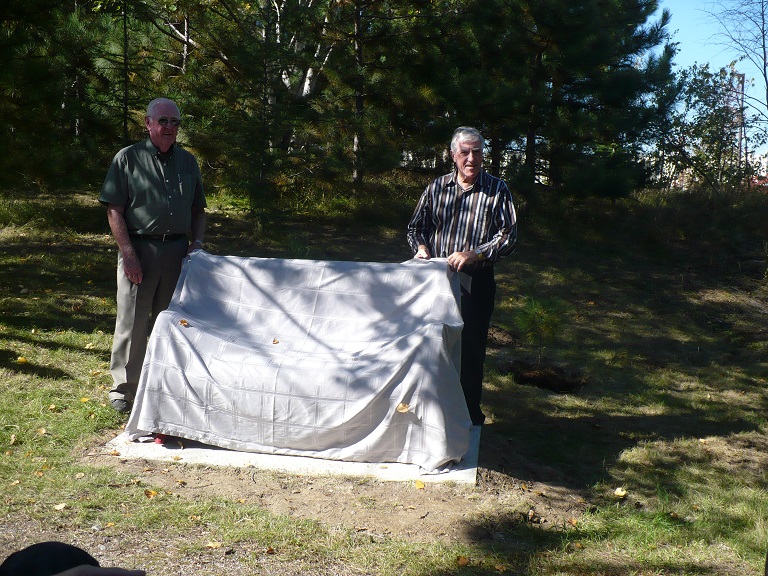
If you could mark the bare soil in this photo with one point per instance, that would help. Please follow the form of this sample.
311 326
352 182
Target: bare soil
435 511
380 510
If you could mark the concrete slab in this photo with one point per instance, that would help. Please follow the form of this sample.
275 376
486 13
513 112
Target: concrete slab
190 452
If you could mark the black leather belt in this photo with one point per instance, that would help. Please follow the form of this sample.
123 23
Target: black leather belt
159 237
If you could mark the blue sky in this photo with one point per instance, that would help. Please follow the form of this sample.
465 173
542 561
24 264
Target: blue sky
700 39
698 33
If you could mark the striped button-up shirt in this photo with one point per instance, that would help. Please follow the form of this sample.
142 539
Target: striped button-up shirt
447 219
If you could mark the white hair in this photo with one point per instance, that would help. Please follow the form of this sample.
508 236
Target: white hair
463 133
156 102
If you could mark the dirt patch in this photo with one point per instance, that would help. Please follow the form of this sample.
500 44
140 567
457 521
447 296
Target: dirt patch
500 338
546 376
433 512
489 512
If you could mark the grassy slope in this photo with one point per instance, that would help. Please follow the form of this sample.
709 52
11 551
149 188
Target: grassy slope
665 313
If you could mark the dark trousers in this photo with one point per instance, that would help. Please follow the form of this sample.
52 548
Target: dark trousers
477 301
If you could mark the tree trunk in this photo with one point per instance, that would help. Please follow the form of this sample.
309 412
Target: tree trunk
357 169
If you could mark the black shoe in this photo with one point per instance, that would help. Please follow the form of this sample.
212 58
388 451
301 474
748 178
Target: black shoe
120 405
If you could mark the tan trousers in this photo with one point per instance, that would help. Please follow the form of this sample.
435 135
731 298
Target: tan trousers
138 306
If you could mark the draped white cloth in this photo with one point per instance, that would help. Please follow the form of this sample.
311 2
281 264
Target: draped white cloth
337 360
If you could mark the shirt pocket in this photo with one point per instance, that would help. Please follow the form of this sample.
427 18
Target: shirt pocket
185 192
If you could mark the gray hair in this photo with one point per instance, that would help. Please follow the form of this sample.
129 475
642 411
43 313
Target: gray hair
152 105
463 133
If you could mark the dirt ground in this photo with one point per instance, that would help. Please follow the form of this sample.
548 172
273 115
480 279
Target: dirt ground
371 508
435 511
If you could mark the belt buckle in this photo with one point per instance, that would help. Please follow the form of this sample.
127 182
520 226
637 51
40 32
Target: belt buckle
168 236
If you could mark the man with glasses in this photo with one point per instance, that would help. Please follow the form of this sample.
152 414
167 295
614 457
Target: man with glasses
154 197
468 217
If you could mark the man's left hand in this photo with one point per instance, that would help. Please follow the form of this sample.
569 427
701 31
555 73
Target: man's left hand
459 260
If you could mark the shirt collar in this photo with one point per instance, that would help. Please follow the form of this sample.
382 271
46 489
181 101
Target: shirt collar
478 181
155 151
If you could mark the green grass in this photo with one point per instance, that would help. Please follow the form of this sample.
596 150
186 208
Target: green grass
664 311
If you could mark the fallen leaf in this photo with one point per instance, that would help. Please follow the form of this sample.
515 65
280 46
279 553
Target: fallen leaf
213 545
79 475
15 482
21 360
573 521
61 506
13 439
403 407
620 492
42 431
85 399
52 407
275 341
184 323
114 453
177 458
150 493
500 568
90 346
270 550
462 560
419 485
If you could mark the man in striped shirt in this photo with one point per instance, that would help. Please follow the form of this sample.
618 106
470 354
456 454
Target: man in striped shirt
468 217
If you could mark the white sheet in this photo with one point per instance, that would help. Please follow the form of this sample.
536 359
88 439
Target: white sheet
310 358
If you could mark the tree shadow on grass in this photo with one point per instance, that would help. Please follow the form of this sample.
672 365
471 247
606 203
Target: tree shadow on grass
11 361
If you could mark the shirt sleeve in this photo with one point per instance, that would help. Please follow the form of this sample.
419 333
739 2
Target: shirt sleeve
505 223
115 187
419 226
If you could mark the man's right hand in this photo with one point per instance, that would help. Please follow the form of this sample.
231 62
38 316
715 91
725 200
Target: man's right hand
423 253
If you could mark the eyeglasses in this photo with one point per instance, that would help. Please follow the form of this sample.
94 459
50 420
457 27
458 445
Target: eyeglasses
164 120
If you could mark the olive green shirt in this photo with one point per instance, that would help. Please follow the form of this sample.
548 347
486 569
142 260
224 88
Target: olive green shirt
157 196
